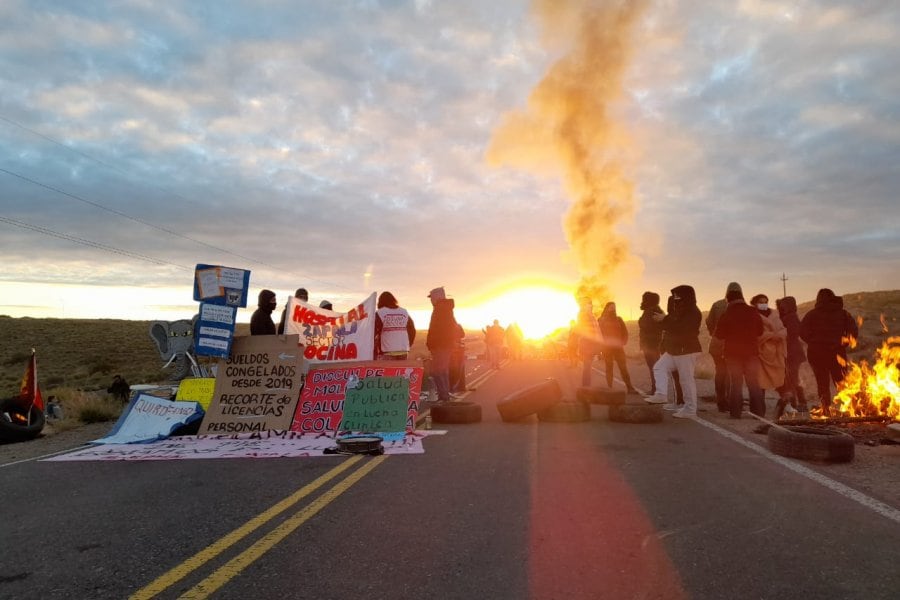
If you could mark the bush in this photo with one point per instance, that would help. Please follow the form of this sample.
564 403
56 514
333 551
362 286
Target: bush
87 407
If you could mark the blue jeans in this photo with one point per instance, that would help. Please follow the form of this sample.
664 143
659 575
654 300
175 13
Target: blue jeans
440 371
745 369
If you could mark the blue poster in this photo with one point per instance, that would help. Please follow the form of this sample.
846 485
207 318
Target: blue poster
220 291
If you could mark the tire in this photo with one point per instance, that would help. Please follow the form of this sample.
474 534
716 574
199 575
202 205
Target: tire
456 413
598 396
566 412
636 413
812 443
15 432
530 400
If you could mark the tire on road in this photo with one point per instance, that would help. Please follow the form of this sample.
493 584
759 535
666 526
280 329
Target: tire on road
593 395
566 412
530 400
636 413
18 429
812 443
456 413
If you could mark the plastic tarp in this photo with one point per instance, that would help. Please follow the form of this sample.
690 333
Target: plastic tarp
148 418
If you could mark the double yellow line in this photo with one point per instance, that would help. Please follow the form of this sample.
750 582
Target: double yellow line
233 567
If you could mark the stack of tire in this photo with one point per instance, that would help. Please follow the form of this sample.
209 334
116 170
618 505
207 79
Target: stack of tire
620 409
544 400
456 413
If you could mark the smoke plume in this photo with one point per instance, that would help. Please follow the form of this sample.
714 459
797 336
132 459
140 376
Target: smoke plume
568 124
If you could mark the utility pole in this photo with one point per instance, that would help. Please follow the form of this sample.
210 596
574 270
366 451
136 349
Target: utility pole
784 284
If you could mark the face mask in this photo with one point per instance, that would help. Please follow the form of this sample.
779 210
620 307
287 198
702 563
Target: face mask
762 306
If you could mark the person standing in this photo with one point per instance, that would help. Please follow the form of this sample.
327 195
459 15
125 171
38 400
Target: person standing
261 322
665 364
828 330
650 332
514 341
682 330
588 339
441 339
739 328
300 294
394 329
772 346
614 336
792 393
493 338
717 348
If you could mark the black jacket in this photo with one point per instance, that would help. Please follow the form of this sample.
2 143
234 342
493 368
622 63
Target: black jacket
261 322
682 324
740 326
443 331
650 331
828 326
787 310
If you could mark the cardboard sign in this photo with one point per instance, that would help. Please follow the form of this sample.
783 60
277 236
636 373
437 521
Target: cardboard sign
322 401
198 389
257 386
149 418
376 404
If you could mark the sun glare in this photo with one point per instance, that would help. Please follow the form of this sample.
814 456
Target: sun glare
538 310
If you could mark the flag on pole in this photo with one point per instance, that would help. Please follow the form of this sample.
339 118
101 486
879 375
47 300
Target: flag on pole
30 392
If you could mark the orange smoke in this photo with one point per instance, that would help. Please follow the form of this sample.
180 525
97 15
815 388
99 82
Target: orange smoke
568 124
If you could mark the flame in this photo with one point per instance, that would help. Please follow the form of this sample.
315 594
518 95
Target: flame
870 391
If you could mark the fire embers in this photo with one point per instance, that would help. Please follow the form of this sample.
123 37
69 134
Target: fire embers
870 390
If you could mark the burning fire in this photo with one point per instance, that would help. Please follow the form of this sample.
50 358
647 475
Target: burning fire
871 391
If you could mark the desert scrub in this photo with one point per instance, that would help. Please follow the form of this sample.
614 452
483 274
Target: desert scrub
87 407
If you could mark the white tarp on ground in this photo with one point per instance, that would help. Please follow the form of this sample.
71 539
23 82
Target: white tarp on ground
268 444
148 418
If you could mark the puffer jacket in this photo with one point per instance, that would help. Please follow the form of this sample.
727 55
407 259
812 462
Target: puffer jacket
682 324
828 326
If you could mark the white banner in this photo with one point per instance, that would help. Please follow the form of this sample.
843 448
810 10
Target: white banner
268 444
149 418
333 337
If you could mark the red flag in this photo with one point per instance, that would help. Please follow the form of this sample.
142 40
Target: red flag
30 392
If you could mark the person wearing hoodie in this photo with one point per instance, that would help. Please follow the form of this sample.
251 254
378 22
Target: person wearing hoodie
681 329
828 330
614 336
588 339
739 329
772 347
443 332
650 332
791 392
300 294
717 348
261 322
664 366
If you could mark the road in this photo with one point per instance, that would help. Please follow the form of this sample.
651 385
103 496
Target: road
530 510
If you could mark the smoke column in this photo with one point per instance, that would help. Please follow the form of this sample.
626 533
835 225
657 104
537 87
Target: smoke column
568 124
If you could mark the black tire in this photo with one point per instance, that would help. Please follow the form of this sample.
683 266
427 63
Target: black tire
530 400
598 396
456 413
16 430
566 412
812 443
636 413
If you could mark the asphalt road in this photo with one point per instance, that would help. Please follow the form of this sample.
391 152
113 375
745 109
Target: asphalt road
491 510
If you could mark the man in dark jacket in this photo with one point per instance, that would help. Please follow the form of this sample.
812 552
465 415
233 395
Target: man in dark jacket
791 392
717 348
443 332
740 327
828 330
261 322
681 328
650 332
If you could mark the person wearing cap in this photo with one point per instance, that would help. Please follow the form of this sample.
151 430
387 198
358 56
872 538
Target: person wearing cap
261 322
739 329
326 305
441 340
300 294
717 348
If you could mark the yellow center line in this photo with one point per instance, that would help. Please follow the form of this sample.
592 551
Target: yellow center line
233 567
184 569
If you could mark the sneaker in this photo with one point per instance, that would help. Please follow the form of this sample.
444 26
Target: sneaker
683 414
670 407
656 399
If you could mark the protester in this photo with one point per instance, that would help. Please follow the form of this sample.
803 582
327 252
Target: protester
772 347
394 329
493 338
300 294
650 332
664 367
614 336
326 304
261 322
828 330
119 389
717 349
441 339
792 392
458 364
588 339
514 341
739 328
682 329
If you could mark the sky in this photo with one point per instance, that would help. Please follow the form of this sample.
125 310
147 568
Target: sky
533 149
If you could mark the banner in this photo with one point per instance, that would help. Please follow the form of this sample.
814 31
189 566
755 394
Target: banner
29 391
372 390
148 418
333 337
257 386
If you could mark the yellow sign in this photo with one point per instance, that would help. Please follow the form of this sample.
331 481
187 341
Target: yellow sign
197 390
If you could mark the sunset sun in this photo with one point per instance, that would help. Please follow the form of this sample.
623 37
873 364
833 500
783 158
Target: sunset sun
538 309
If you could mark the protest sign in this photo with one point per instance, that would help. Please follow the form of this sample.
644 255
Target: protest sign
333 337
257 386
197 389
148 418
322 403
220 290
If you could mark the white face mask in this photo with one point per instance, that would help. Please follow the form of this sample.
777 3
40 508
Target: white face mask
762 306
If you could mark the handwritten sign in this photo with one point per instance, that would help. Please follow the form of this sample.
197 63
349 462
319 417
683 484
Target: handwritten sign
376 404
257 386
198 389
